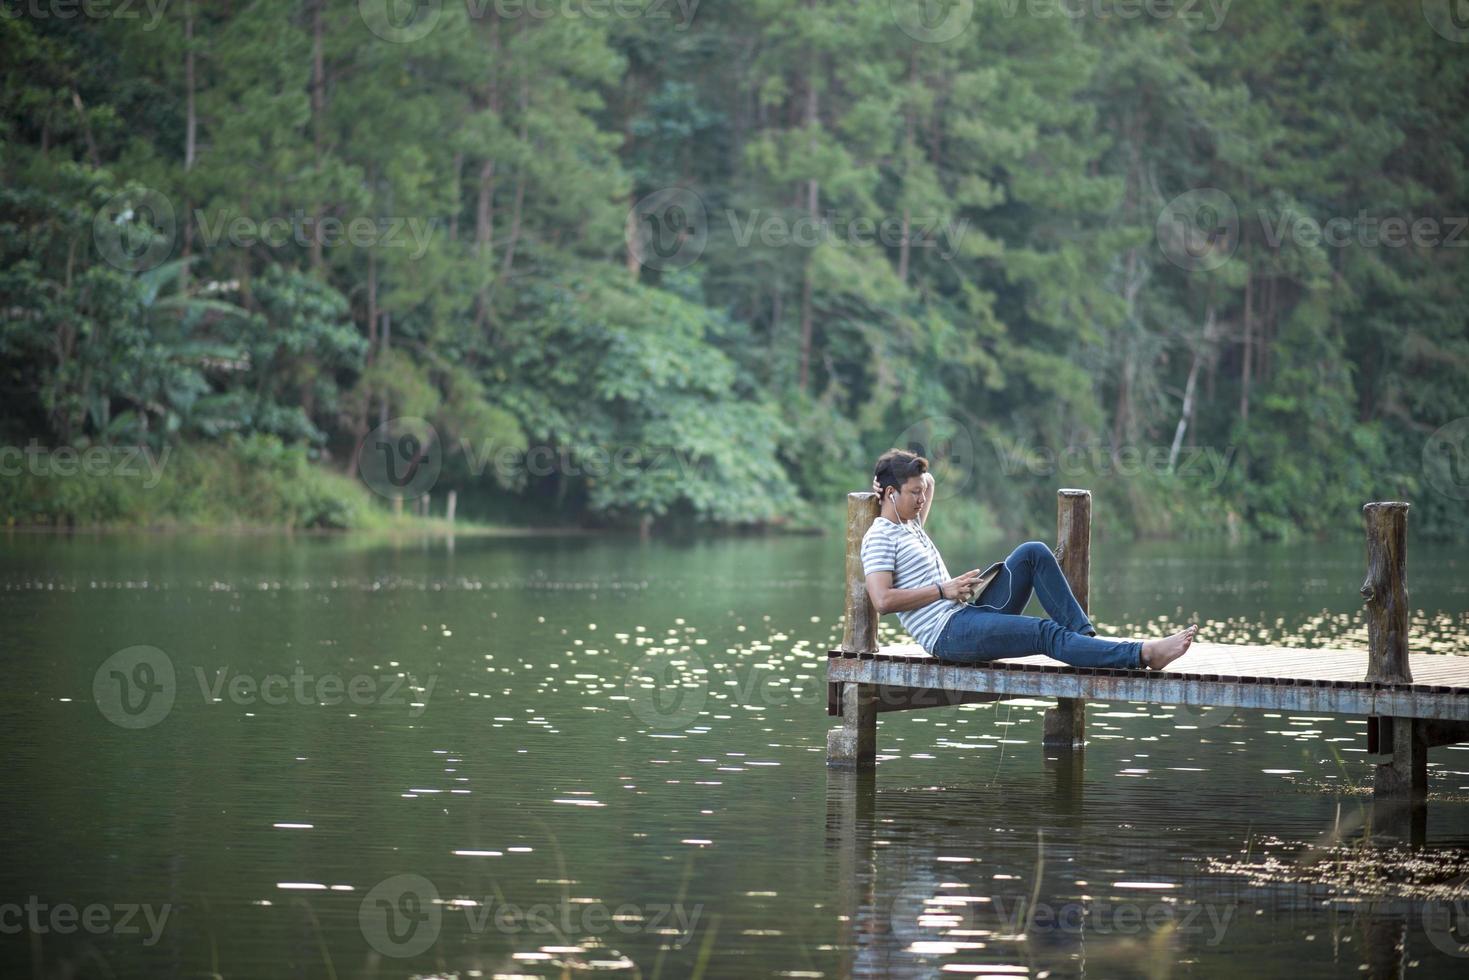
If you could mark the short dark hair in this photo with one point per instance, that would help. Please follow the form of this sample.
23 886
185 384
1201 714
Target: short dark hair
896 467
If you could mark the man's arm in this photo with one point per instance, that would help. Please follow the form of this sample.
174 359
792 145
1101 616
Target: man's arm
890 600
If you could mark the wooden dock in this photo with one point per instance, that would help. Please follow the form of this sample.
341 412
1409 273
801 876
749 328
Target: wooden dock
1413 702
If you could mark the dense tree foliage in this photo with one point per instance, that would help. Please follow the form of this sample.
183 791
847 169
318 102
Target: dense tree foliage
643 259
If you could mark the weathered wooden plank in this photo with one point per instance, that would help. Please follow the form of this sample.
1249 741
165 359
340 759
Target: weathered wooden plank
1260 661
1165 687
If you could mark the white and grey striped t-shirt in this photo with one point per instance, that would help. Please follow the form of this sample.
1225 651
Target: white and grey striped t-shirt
906 551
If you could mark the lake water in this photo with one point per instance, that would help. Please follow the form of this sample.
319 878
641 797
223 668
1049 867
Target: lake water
538 757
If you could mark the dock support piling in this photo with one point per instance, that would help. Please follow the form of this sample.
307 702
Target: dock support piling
1400 785
1385 591
1065 724
854 745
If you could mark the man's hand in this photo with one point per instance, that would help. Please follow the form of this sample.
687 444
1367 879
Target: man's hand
961 588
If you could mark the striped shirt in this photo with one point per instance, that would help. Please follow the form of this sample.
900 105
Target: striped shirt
906 551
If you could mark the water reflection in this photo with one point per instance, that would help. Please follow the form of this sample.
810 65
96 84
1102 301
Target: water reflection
610 733
932 880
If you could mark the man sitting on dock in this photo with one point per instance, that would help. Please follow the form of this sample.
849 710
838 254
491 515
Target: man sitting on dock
977 616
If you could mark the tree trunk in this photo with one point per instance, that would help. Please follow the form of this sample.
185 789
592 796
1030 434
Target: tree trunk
813 193
191 129
634 258
1186 413
484 229
1246 360
458 170
318 108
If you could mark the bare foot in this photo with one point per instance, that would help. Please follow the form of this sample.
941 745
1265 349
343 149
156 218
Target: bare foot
1158 654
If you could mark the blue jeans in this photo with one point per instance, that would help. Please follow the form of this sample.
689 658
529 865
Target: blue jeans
991 628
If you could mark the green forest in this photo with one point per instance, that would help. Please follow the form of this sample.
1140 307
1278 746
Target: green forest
697 263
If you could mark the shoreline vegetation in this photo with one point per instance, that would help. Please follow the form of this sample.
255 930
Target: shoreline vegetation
1197 268
261 486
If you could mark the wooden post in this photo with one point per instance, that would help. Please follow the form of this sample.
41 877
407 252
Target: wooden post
1065 724
451 504
854 745
1386 593
860 634
1403 779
